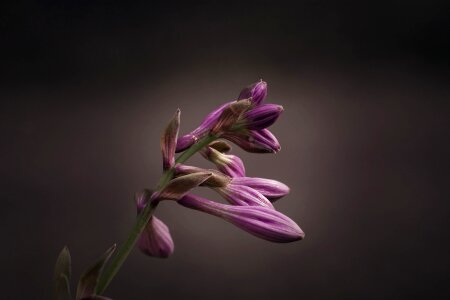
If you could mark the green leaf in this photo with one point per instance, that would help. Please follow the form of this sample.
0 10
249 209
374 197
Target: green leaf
89 280
61 277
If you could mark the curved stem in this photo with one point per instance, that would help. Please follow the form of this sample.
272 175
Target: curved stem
143 218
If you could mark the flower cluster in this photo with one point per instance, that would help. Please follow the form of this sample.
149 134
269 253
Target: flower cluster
243 122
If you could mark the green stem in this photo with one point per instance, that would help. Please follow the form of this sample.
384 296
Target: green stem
143 218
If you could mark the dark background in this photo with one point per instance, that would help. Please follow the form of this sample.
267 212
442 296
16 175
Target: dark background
87 87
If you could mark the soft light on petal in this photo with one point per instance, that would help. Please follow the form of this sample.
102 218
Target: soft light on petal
260 221
270 188
156 240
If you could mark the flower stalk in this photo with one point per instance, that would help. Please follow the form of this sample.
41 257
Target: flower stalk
144 217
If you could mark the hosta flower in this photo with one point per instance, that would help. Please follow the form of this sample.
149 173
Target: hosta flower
260 221
254 141
243 195
191 138
261 116
257 92
155 240
228 164
271 189
239 190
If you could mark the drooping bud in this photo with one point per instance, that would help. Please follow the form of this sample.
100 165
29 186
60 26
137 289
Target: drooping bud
178 187
261 116
256 91
191 138
156 240
217 178
243 196
228 164
255 141
260 221
169 141
236 194
270 188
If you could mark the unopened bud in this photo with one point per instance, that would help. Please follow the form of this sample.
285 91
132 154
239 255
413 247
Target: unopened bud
263 222
254 141
257 92
156 240
228 164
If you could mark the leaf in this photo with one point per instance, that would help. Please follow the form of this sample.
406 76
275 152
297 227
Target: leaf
61 277
89 280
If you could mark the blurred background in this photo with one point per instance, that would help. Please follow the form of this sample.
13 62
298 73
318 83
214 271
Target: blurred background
87 87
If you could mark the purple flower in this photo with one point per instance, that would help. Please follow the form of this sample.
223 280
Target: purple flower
228 164
270 188
155 240
191 138
243 195
256 91
260 221
261 116
255 141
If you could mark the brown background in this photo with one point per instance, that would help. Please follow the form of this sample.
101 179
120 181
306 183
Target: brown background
87 87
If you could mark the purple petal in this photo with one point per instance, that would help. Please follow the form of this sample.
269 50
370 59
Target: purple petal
228 164
270 188
155 240
260 221
256 91
262 116
188 140
255 141
243 196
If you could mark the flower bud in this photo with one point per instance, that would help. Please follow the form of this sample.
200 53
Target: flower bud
270 188
228 164
188 140
262 116
257 92
243 196
255 141
260 221
169 141
155 240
